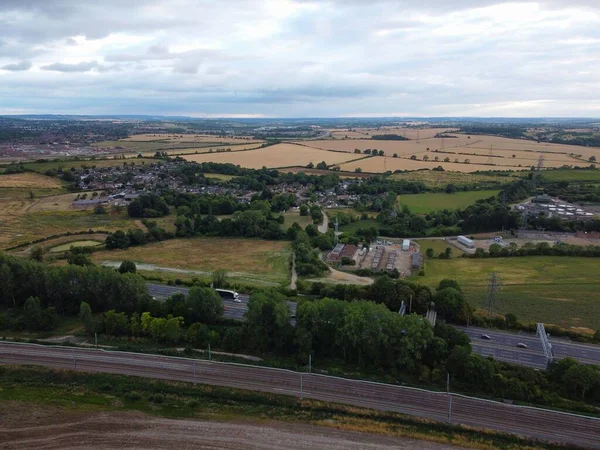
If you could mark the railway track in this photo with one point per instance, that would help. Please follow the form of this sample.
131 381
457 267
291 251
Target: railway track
525 421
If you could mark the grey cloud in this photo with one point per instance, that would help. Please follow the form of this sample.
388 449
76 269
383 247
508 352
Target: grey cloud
16 67
85 66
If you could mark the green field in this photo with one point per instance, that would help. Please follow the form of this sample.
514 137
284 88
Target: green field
429 202
293 216
246 260
437 180
571 175
352 227
438 246
549 289
67 246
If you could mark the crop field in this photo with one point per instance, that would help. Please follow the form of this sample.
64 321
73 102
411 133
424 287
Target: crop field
409 133
380 164
435 179
249 259
214 149
82 164
280 155
219 176
429 202
29 180
553 290
22 226
97 238
571 175
187 138
67 246
489 151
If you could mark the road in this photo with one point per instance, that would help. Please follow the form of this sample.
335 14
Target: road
233 310
503 346
324 226
530 422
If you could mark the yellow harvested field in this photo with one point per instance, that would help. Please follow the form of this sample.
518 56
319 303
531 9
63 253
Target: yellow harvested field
280 155
29 180
409 133
187 138
221 148
376 164
476 149
402 148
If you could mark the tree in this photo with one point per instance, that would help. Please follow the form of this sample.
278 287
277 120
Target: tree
511 321
219 278
198 334
582 377
117 240
6 286
303 210
115 323
268 321
450 304
33 313
99 210
37 254
358 170
429 253
495 249
79 259
204 304
173 329
592 159
127 267
448 283
395 155
85 314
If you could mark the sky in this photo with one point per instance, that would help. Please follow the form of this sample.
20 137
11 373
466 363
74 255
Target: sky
301 58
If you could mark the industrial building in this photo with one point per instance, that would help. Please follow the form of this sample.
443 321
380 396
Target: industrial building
469 243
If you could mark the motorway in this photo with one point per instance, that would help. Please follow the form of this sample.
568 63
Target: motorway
502 345
232 310
525 421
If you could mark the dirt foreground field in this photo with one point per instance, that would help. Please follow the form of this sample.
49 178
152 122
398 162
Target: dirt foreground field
26 426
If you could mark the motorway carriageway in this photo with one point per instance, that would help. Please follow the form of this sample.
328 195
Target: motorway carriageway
232 310
525 421
502 345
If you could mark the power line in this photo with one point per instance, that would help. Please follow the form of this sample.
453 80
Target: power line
492 294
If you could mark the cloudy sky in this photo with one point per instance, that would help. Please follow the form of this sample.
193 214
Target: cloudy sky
301 58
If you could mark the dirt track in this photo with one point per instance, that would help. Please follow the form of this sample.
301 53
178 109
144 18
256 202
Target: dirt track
23 426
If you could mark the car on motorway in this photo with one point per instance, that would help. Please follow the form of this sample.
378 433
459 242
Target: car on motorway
486 337
229 295
521 345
